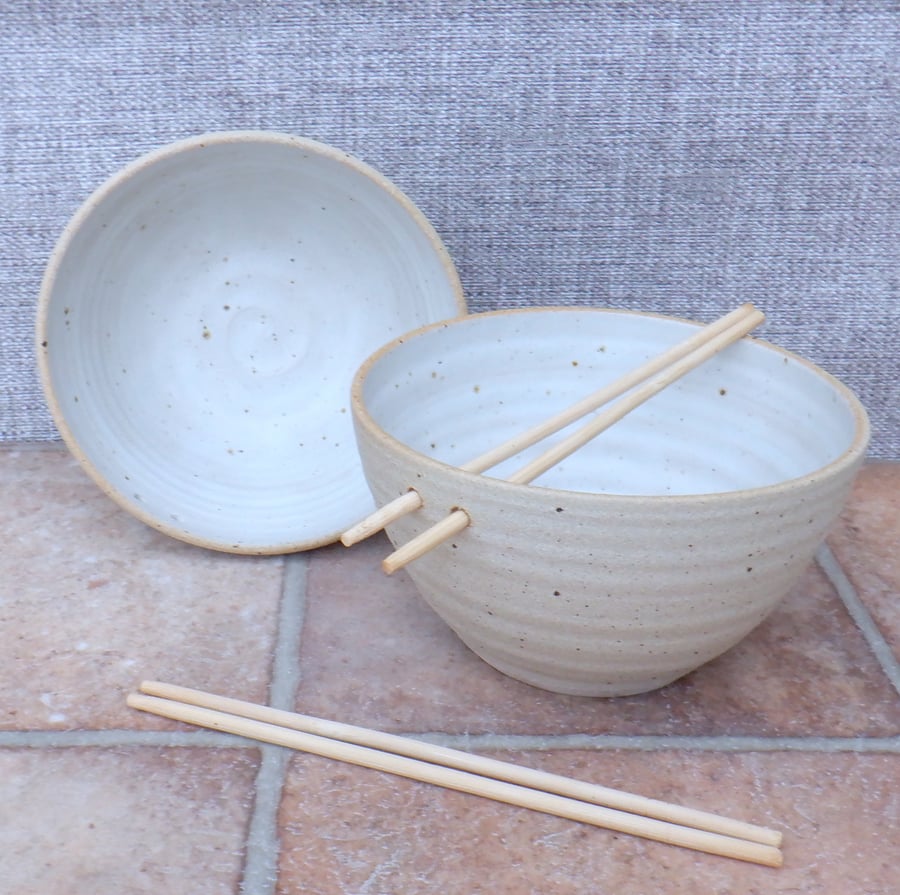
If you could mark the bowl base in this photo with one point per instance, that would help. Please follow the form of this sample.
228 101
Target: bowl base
597 688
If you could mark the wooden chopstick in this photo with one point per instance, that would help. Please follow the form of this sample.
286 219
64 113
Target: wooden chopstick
466 761
413 759
459 519
411 500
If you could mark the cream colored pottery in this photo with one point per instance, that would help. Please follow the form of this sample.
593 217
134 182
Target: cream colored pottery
652 550
201 320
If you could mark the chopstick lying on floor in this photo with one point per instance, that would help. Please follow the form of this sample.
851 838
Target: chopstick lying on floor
713 339
465 772
411 500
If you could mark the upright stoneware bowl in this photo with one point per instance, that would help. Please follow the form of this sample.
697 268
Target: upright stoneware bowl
652 550
201 320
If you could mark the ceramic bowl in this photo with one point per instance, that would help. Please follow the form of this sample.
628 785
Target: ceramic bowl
652 550
200 322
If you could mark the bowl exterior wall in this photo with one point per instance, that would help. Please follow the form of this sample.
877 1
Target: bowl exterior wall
602 595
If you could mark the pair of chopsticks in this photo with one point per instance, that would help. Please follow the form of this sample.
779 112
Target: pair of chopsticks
462 771
641 384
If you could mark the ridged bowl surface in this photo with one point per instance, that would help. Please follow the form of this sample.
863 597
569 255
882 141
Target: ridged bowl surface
652 550
200 323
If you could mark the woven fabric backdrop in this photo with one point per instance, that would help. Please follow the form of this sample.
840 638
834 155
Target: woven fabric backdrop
676 157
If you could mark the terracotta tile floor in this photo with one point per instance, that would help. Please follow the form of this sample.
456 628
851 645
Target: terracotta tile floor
798 727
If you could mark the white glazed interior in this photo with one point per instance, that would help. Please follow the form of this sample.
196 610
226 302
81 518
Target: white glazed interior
646 554
752 417
200 323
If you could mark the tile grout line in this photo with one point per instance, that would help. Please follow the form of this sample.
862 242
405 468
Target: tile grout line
861 616
512 742
114 737
262 848
659 743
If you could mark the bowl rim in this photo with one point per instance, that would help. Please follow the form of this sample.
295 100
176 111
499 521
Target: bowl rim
94 202
848 459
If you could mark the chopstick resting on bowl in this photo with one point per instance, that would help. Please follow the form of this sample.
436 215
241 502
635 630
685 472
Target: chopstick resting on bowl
411 500
465 772
663 371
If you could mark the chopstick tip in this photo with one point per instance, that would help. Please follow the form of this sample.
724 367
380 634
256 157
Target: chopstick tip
133 700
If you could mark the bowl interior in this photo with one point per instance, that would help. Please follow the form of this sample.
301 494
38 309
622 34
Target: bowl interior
751 417
201 321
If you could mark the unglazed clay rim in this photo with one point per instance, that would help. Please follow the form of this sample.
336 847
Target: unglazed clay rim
848 458
93 203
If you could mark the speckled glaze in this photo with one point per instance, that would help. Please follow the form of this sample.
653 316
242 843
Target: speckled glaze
200 322
652 550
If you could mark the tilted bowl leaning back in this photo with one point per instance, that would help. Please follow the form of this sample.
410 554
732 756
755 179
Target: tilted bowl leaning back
200 321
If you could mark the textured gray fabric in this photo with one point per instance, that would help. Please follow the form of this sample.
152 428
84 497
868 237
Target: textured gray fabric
678 157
